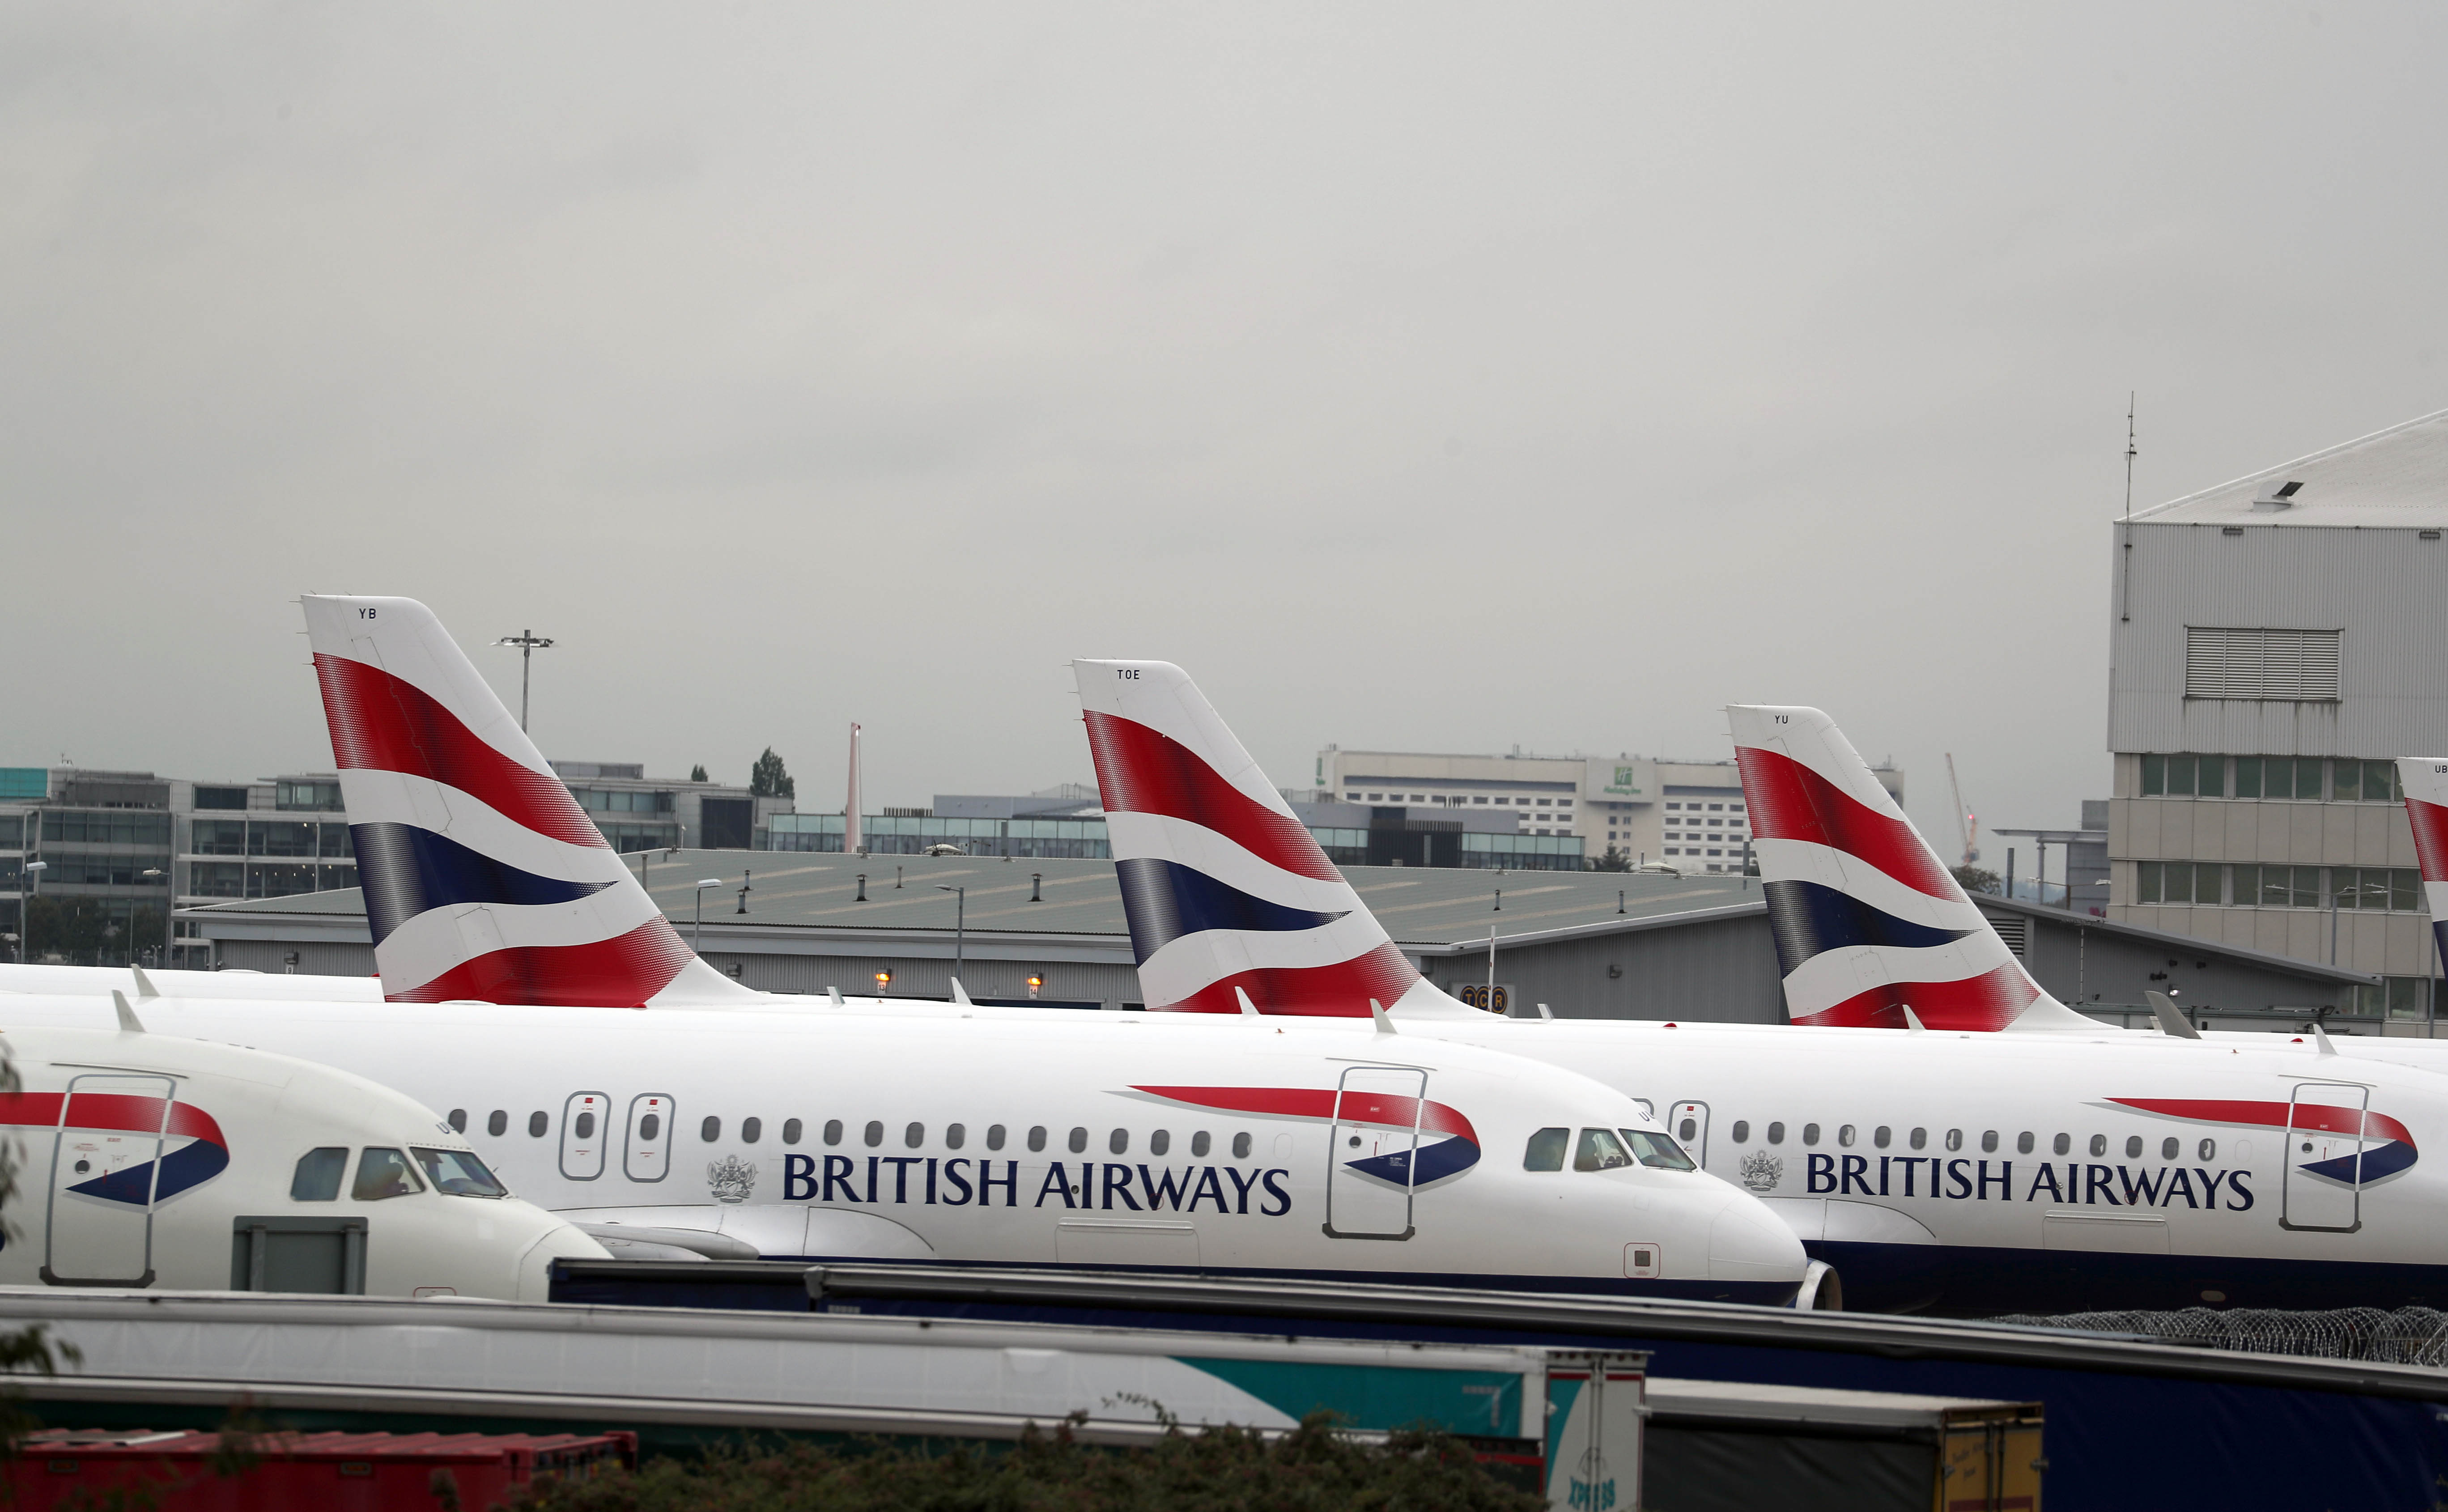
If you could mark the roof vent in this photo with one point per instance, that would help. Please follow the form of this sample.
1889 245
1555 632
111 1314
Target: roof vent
2273 500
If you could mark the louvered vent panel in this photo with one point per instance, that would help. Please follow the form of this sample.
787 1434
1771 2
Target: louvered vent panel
2286 666
2014 930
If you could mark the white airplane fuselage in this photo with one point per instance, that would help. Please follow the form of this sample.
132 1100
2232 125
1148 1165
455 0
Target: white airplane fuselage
1174 1142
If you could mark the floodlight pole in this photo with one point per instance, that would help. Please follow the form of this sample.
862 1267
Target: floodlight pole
960 921
528 644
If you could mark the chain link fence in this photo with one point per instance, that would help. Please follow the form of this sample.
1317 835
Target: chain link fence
2406 1336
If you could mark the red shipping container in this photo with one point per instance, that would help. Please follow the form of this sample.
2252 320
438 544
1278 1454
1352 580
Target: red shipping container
345 1472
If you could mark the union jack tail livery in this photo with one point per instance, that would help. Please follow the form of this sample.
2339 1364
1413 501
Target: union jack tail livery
2424 782
1222 886
1867 920
484 881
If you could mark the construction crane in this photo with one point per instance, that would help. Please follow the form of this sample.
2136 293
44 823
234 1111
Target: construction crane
1967 824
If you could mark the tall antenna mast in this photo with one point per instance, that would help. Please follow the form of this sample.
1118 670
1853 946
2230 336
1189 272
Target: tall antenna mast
2125 553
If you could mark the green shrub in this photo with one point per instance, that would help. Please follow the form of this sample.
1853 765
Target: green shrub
1309 1469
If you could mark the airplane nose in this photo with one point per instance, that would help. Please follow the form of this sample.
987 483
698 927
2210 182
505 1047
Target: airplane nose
1746 1243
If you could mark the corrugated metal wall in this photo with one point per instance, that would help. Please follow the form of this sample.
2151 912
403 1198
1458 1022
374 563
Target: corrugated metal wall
1721 971
2382 587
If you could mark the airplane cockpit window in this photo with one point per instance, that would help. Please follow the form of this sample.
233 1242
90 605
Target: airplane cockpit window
1658 1152
458 1174
384 1172
317 1179
1599 1150
1545 1151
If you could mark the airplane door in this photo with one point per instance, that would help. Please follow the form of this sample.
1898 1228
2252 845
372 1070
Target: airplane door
1688 1123
104 1161
646 1156
584 1130
2323 1177
1376 1131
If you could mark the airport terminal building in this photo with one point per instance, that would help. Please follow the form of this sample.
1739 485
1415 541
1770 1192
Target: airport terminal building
2278 642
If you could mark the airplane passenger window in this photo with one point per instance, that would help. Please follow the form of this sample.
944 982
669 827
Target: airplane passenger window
537 1123
1988 1141
498 1124
1599 1150
1159 1141
458 1174
650 1127
2099 1145
955 1135
1881 1134
1118 1141
994 1136
750 1130
1658 1152
585 1125
1810 1134
1919 1139
1955 1138
873 1133
1844 1136
2133 1147
710 1130
1199 1144
1742 1131
383 1172
1776 1134
1079 1141
832 1131
458 1120
790 1128
2168 1148
1545 1151
1240 1146
2209 1149
2061 1143
317 1179
914 1135
1037 1137
2023 1142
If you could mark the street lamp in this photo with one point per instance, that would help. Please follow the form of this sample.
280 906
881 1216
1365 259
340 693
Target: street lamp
167 925
702 885
33 871
959 922
528 644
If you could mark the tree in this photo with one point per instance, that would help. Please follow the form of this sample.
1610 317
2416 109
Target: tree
1976 879
696 772
768 779
1614 860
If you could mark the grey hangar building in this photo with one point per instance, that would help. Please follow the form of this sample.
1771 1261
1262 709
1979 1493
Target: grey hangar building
1588 943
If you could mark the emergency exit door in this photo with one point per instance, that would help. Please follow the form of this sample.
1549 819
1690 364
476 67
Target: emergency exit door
1688 1123
2323 1177
1372 1148
106 1163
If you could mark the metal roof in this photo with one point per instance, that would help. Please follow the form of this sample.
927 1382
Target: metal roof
2397 477
1419 905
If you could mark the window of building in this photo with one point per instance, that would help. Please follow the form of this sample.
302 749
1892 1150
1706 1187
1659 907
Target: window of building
1545 802
221 797
1479 798
325 795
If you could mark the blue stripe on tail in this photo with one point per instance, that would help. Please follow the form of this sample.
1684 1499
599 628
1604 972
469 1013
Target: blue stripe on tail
405 870
1164 900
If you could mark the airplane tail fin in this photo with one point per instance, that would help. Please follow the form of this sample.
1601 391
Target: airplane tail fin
484 879
1867 920
2424 781
1225 890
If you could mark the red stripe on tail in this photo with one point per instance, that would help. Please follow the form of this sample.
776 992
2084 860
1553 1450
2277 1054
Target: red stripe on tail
1788 801
1979 1005
384 724
2430 838
617 974
1338 991
1142 771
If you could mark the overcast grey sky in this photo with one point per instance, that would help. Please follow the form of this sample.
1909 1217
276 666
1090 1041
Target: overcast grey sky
1419 376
